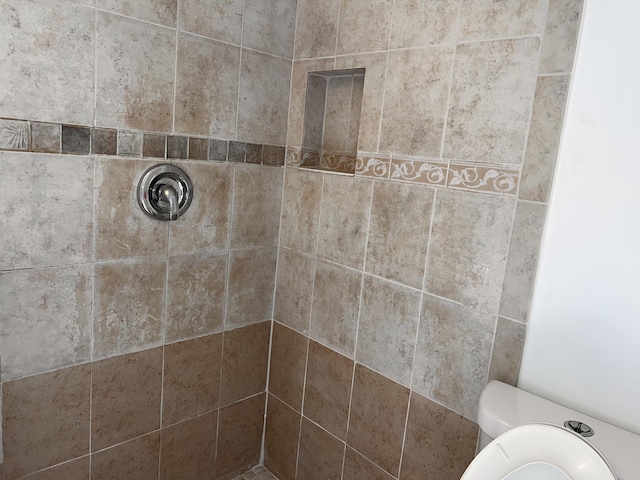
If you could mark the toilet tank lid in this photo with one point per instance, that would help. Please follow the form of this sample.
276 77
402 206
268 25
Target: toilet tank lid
503 407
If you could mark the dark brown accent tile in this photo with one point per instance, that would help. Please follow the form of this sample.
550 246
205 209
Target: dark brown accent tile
244 363
328 389
189 449
198 148
129 144
506 355
134 460
439 443
378 413
273 155
321 454
126 397
218 150
254 153
191 378
281 439
45 419
240 435
75 139
288 360
104 141
74 470
154 145
45 137
357 467
237 151
177 146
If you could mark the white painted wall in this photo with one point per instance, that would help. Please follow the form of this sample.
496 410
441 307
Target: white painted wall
583 342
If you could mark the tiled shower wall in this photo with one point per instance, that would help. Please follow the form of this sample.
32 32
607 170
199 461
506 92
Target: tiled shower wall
124 340
401 291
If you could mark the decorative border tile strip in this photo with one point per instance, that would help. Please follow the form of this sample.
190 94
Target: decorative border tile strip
484 178
338 162
373 165
428 172
43 137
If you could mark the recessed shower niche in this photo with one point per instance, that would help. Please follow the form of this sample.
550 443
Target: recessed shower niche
332 120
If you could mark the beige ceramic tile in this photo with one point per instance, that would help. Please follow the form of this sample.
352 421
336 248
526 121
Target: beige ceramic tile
468 250
219 19
483 178
281 438
522 261
486 19
264 98
357 94
415 101
287 367
47 61
490 102
162 12
452 354
508 346
364 26
317 28
205 226
206 87
420 24
135 74
357 467
138 458
314 110
387 328
74 470
128 306
294 288
270 26
321 454
399 232
337 113
560 36
45 318
41 193
257 198
544 137
38 409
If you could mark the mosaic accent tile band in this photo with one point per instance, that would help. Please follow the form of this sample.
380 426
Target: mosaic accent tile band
39 137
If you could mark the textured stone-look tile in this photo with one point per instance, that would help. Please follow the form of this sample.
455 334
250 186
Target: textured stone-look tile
378 413
387 329
41 193
218 150
188 449
251 282
198 148
508 346
219 19
46 319
76 140
254 153
337 109
135 74
357 94
412 124
104 141
560 36
301 210
244 364
483 178
486 19
469 245
129 144
420 24
522 261
272 155
364 26
162 12
270 26
257 198
206 87
294 288
321 454
357 467
344 216
240 435
195 295
317 28
281 438
439 443
490 102
336 302
74 470
237 152
14 135
191 378
328 389
126 394
45 137
544 138
122 228
287 368
154 145
399 232
129 306
264 98
203 228
452 354
137 459
41 408
177 146
47 62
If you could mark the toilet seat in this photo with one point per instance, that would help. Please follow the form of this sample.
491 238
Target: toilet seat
539 443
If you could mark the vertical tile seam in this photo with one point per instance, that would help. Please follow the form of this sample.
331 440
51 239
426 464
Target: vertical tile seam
228 277
382 101
175 69
266 399
95 72
235 134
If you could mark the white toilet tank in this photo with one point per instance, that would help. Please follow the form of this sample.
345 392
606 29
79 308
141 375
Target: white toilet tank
503 407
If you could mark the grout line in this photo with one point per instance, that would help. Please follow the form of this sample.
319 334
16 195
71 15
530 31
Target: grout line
175 70
240 72
228 277
266 399
161 412
95 72
382 100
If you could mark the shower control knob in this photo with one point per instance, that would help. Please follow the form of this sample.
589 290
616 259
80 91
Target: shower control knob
165 192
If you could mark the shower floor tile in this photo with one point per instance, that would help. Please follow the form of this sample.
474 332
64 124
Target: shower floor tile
256 473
